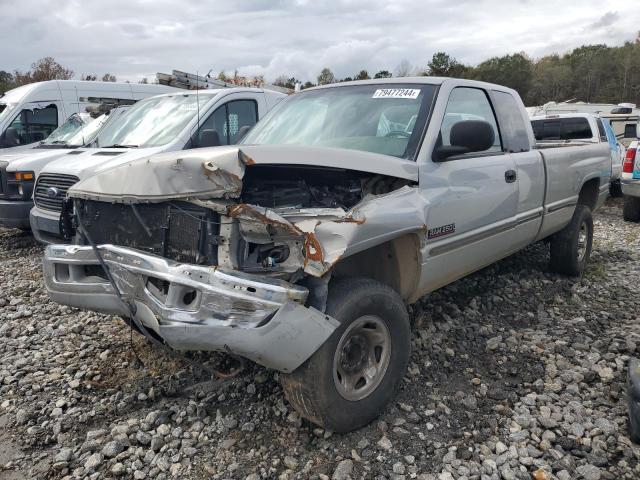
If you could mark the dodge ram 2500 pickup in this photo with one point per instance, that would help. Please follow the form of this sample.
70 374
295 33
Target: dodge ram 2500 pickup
300 248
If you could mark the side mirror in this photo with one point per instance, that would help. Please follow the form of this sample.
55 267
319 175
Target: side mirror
11 138
242 132
466 136
630 130
208 138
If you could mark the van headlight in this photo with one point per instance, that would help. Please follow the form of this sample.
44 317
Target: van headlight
20 185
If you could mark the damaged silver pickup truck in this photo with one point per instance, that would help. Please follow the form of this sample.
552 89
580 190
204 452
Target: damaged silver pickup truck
300 248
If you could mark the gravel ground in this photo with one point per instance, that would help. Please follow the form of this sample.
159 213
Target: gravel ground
515 373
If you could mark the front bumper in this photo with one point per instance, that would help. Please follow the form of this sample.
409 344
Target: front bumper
193 307
45 225
630 187
15 213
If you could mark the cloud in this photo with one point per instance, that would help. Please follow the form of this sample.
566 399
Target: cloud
135 38
606 20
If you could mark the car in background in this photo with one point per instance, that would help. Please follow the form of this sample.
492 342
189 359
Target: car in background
631 183
176 121
19 170
580 128
30 113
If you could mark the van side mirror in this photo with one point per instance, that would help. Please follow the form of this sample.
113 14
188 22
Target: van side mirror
630 130
11 138
466 136
208 138
242 132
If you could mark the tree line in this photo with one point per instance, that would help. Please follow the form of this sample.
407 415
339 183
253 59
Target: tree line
591 73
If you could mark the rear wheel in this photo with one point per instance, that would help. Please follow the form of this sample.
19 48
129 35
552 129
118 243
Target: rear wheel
356 372
631 209
571 247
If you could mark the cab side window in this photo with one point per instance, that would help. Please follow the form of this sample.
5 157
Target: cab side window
31 126
224 124
468 104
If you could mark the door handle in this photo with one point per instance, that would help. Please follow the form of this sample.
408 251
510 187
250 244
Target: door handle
510 176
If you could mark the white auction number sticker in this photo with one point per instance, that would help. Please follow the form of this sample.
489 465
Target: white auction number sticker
397 93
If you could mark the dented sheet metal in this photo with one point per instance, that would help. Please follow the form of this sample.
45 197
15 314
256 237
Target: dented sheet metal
262 319
172 175
217 172
213 178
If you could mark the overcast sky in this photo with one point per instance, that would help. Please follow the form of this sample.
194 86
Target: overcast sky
136 38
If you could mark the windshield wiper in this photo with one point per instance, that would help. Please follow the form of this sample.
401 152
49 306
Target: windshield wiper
57 142
117 145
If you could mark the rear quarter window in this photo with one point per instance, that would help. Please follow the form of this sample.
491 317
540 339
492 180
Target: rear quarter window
512 123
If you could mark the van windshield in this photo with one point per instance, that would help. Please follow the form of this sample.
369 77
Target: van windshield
153 122
62 135
5 111
380 118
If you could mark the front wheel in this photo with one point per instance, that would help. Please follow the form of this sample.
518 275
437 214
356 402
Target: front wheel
571 247
356 372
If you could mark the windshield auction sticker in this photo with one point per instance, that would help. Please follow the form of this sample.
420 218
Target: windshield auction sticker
396 93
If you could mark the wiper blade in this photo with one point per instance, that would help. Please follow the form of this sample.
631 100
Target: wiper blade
117 145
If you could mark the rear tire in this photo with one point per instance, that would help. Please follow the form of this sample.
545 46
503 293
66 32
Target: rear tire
631 209
571 247
357 371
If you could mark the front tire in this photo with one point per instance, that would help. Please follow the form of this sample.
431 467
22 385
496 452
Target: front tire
571 247
357 371
631 209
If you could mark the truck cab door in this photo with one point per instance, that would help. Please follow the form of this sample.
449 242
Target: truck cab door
473 197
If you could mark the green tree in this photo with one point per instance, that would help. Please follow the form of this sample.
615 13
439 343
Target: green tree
444 65
362 75
326 76
512 71
107 77
383 74
7 82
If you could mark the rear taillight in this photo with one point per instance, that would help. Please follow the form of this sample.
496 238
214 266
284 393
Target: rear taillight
629 160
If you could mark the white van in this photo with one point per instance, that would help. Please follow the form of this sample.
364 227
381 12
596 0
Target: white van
19 170
170 122
29 114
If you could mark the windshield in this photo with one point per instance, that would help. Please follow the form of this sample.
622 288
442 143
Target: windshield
5 110
383 118
74 124
153 122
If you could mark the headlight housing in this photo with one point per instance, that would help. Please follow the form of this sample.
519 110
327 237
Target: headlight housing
20 185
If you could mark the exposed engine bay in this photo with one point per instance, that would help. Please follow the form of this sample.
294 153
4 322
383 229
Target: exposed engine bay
245 234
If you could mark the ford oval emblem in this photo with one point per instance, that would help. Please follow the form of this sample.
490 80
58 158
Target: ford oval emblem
53 192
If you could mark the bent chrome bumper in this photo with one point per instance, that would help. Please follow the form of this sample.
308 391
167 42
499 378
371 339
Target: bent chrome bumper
193 307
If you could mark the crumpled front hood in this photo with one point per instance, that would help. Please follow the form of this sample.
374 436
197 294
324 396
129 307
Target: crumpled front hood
217 172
